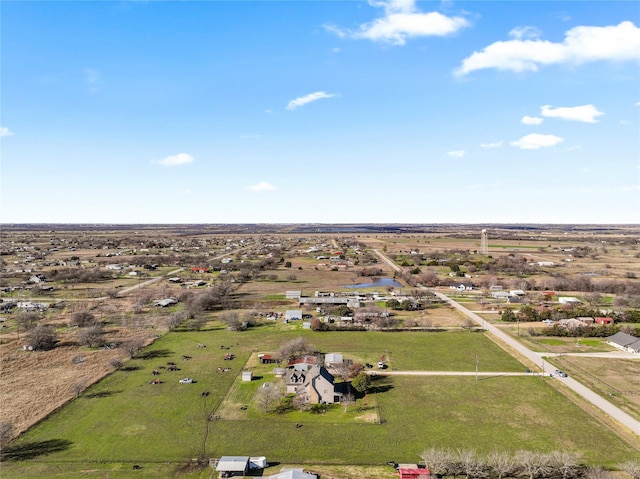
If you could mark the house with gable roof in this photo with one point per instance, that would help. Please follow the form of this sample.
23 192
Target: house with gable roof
314 384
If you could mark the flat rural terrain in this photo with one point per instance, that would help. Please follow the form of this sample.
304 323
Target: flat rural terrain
99 324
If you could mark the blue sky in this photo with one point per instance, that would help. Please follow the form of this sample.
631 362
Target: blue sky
320 111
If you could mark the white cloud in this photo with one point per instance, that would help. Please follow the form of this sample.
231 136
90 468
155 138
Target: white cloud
535 141
531 120
456 154
402 20
495 144
584 113
303 100
4 131
93 79
176 160
262 186
582 44
573 148
525 32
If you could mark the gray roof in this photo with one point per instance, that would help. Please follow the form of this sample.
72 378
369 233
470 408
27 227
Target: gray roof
625 340
233 463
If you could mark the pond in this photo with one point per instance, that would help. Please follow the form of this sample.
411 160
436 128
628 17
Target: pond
377 282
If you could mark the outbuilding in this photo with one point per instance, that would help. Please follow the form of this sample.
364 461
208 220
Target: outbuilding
230 466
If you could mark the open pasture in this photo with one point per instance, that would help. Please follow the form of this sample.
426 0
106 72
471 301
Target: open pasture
123 418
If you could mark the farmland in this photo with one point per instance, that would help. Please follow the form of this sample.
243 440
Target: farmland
119 418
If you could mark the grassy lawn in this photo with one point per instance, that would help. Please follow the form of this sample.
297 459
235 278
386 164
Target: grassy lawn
123 420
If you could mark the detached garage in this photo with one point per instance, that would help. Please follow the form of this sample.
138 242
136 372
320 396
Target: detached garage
230 466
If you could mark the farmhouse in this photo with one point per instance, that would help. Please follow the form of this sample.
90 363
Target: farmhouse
315 385
199 269
625 341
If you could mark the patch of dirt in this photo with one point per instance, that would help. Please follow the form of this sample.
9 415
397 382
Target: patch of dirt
368 417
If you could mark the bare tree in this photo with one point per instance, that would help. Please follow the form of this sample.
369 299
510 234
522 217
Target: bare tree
438 460
27 319
595 472
174 320
294 348
268 395
82 319
6 432
348 400
79 386
502 463
632 468
90 335
532 464
565 464
233 321
472 465
133 346
42 337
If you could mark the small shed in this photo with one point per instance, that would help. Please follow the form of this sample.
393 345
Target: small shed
267 359
333 358
230 466
413 473
247 376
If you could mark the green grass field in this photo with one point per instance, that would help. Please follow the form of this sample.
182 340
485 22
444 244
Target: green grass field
124 420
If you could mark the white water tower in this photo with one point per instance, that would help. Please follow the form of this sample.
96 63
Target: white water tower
484 242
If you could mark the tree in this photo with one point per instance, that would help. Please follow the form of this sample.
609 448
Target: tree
233 321
565 464
348 400
632 468
79 386
133 346
509 316
27 320
438 460
294 348
42 337
82 319
532 464
6 432
472 465
268 395
502 464
90 335
361 383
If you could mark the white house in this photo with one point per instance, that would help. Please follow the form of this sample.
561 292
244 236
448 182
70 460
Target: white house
568 300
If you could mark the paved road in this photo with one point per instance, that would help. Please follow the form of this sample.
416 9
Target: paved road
446 373
613 411
608 408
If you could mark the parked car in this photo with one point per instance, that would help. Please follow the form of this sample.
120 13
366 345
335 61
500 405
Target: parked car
562 374
382 365
186 381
